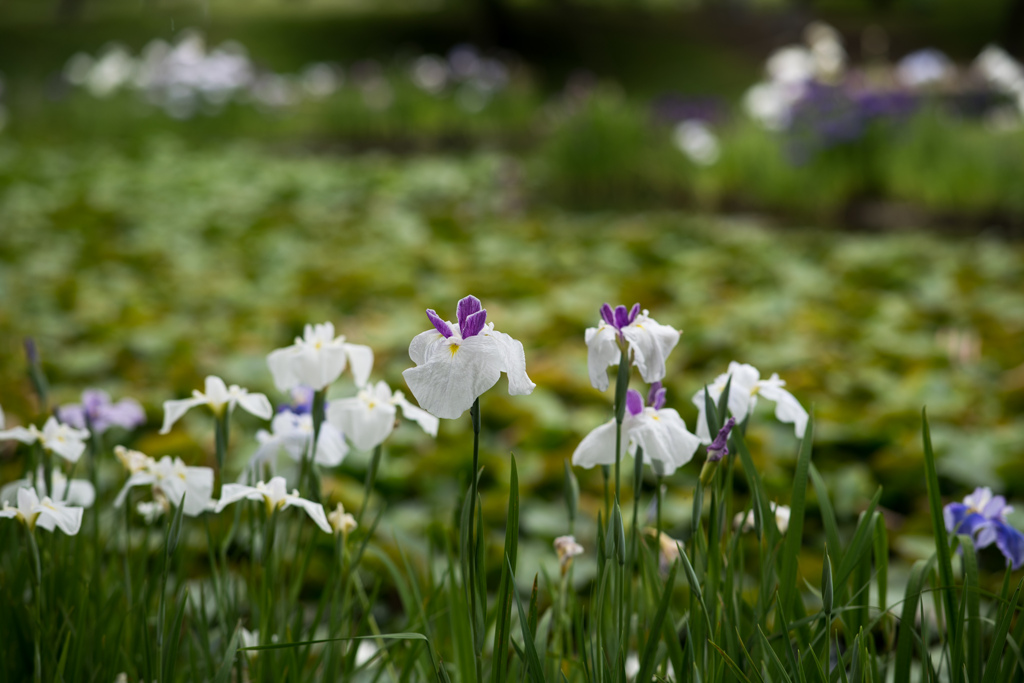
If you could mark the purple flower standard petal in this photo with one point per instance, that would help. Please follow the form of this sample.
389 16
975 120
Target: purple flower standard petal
1010 542
607 315
656 396
621 316
473 323
634 402
440 325
634 312
467 307
719 448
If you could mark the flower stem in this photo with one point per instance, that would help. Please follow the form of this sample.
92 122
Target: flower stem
657 493
474 414
221 435
37 587
319 406
621 386
371 477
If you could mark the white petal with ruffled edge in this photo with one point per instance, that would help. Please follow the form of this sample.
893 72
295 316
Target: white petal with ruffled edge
787 408
662 434
425 420
19 434
364 419
137 479
650 343
597 447
331 448
602 352
256 404
455 374
513 361
55 514
174 409
314 510
361 360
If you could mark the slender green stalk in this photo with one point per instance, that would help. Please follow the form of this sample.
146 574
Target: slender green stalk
621 386
371 477
37 599
221 436
474 414
657 493
319 403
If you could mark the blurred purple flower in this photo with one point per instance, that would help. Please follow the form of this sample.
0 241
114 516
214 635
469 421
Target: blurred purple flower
97 412
982 516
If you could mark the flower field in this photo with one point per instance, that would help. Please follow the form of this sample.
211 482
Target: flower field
419 370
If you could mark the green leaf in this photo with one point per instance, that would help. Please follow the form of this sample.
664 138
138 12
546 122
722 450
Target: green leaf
995 652
224 672
788 586
503 623
651 649
941 539
971 596
772 656
533 665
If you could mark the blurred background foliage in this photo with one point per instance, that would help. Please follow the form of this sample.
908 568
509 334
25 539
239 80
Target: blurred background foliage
151 236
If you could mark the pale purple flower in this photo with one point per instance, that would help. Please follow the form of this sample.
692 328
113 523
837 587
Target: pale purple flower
97 411
983 517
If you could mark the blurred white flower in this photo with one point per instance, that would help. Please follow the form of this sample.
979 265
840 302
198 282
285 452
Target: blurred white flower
56 437
342 522
71 491
791 64
430 73
369 418
695 139
292 433
745 523
924 67
317 358
771 103
172 478
320 80
275 496
746 386
566 548
996 66
114 68
827 51
152 510
219 398
46 513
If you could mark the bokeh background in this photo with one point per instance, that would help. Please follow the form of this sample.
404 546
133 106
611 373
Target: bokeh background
830 190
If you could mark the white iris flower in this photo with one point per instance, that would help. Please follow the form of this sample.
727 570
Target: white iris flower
218 397
369 418
317 358
292 433
170 478
649 343
456 363
746 386
71 491
276 497
46 513
56 437
661 432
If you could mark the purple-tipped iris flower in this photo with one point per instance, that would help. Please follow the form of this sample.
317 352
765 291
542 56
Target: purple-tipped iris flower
983 517
661 432
455 363
648 341
97 411
718 448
